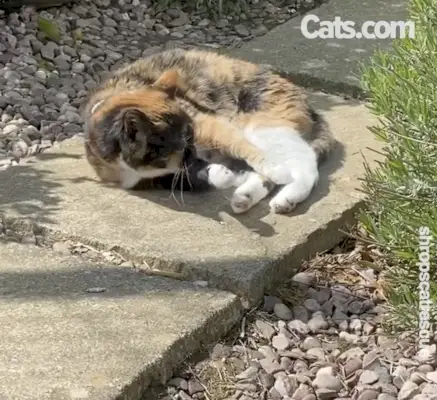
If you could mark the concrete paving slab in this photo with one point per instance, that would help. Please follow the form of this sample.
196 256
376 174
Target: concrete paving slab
329 64
200 238
60 341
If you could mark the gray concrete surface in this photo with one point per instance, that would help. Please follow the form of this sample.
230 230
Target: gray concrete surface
329 64
61 342
200 238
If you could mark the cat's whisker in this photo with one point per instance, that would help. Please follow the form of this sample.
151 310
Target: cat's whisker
188 175
173 185
182 185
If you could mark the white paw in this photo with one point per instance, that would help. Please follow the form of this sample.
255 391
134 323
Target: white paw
281 205
279 174
129 179
220 176
241 202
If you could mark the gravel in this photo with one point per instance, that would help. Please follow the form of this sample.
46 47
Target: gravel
45 74
324 353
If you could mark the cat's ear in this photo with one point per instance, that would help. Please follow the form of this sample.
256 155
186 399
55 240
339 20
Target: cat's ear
170 82
134 123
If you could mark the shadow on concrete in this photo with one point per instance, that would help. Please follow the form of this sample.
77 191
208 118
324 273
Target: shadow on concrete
38 195
213 201
80 279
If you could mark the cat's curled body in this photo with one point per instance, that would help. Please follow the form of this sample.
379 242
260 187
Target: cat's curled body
144 120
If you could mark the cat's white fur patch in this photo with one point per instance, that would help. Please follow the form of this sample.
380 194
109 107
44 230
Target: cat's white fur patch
289 160
249 193
129 177
221 177
250 188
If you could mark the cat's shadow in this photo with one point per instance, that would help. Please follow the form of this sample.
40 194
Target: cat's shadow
215 204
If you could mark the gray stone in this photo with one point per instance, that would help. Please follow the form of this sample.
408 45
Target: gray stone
417 378
356 307
248 374
184 396
326 379
368 377
311 305
301 313
384 396
349 337
178 383
267 380
355 325
424 368
280 342
322 295
427 354
10 130
371 359
310 343
48 51
302 392
194 387
326 394
429 389
266 330
298 327
269 365
368 394
408 390
317 353
62 63
78 67
317 323
283 312
285 385
270 302
303 278
353 352
432 376
352 365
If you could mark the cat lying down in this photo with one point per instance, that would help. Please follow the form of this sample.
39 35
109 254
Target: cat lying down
197 120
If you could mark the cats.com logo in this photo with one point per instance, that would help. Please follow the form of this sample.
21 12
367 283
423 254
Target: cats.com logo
313 28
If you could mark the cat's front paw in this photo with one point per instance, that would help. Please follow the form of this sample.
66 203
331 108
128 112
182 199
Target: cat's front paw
220 176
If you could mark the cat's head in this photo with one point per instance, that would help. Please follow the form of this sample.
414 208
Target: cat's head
144 129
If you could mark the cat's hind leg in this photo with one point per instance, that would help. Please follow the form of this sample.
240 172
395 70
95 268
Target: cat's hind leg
291 159
292 194
250 192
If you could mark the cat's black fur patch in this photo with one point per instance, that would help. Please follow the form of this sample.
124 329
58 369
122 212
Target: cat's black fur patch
249 97
194 179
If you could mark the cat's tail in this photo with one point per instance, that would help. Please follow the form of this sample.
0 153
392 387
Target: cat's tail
321 138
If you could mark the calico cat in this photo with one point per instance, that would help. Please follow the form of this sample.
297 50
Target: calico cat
223 121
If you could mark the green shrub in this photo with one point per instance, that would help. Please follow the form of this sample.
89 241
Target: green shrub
402 190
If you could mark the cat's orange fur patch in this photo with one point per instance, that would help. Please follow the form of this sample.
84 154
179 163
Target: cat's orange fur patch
151 102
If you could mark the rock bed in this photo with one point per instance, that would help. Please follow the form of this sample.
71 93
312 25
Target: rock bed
50 60
329 345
